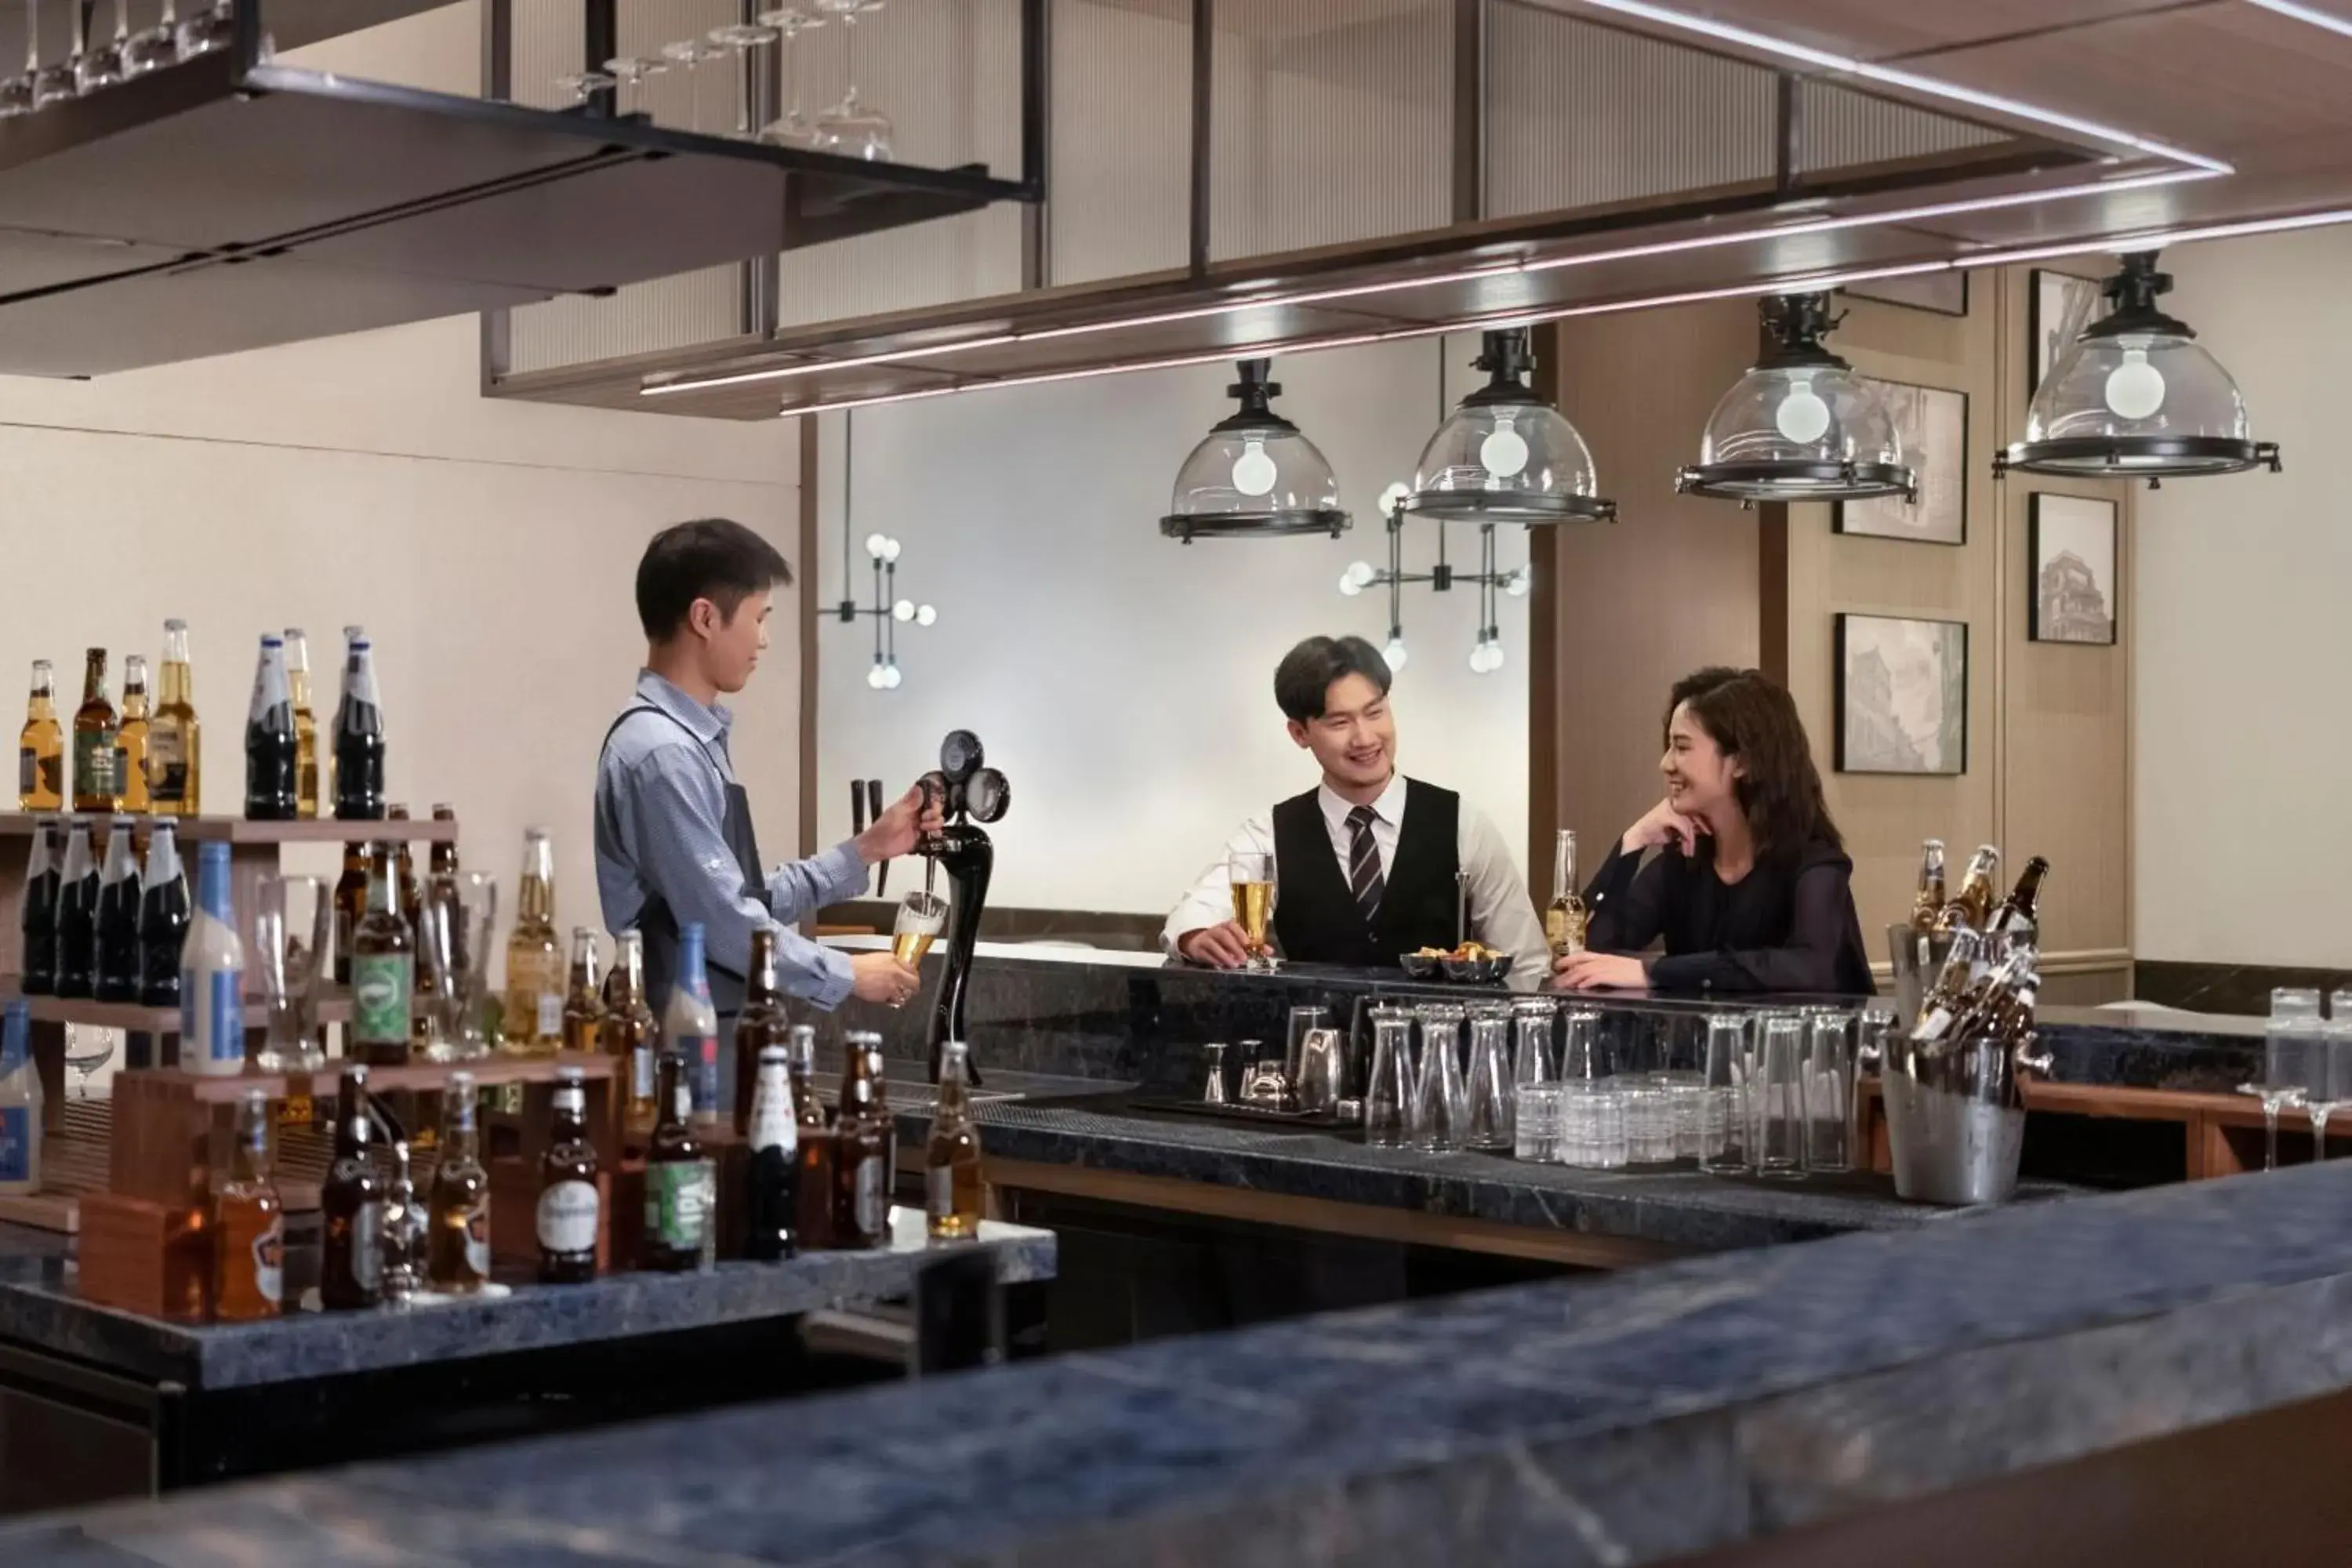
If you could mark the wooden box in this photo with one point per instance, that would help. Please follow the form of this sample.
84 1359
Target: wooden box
146 1256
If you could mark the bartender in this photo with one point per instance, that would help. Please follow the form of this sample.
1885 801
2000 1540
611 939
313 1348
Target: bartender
674 841
1365 862
1751 888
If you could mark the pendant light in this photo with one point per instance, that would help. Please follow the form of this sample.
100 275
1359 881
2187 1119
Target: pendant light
1254 476
1800 426
2134 396
887 611
1505 455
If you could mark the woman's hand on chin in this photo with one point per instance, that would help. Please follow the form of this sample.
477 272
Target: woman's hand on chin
1663 824
1599 971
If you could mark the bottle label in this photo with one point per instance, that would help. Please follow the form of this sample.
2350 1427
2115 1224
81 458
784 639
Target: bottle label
551 1015
701 1053
367 1245
677 1203
478 1238
640 1070
16 1134
567 1219
382 985
94 763
121 771
872 1212
27 768
212 1015
269 1261
773 1126
939 1190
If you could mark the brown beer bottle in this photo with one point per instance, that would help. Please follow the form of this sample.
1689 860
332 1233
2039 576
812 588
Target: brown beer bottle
1972 905
95 733
805 1104
444 861
41 747
131 740
384 970
350 904
819 1155
861 1201
569 1205
583 1007
681 1230
2019 913
761 1023
954 1189
457 1249
248 1224
350 1207
628 1032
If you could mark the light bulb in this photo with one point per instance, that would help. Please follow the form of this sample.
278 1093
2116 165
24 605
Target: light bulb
1504 452
904 610
890 678
1395 652
1254 471
1356 578
2134 388
1398 490
890 549
1478 656
1494 654
925 614
1520 582
1802 416
875 545
873 678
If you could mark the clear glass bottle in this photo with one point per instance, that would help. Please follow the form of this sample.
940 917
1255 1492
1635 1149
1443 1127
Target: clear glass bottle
534 1004
212 975
583 1005
1564 918
20 1103
174 739
457 1252
690 1026
954 1183
248 1224
306 724
629 1033
41 747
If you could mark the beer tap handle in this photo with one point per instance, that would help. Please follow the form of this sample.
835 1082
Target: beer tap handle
874 811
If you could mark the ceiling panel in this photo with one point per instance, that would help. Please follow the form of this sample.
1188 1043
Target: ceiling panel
1890 29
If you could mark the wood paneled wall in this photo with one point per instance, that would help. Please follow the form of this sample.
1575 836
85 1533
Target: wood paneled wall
1681 582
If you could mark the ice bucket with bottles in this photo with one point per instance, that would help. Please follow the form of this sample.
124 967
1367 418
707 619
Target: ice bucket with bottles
1918 956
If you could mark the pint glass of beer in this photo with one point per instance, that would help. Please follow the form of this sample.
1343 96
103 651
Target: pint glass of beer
1252 874
921 917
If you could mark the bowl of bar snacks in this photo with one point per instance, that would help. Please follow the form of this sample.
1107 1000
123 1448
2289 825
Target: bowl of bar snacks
1472 964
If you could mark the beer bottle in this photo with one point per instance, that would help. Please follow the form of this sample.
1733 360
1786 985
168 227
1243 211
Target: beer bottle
444 861
77 912
131 739
359 734
269 744
534 1011
820 1158
457 1252
803 1069
175 740
350 904
569 1203
1927 904
1950 996
628 1031
118 919
1972 905
691 1026
411 892
954 1192
212 973
2018 913
384 970
248 1224
41 747
165 913
38 918
583 1009
94 731
351 1206
772 1204
882 1112
861 1204
306 724
402 1237
680 1195
1564 917
761 1023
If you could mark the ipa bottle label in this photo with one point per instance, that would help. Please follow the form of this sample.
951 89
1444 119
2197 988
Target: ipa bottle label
677 1203
382 986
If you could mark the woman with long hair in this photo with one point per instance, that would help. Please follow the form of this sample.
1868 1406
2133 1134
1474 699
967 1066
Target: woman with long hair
1752 889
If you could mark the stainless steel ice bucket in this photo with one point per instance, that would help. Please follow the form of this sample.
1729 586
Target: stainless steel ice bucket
1955 1117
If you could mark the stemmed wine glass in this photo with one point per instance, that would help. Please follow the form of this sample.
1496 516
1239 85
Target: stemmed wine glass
792 128
690 53
631 71
51 84
853 128
101 67
582 85
156 47
86 1050
214 27
743 38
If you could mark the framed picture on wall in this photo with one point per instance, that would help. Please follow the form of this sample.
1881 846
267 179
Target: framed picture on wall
2058 305
2073 551
1933 423
1902 695
1945 293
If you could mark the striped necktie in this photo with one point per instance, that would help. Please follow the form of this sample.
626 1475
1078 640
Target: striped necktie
1364 865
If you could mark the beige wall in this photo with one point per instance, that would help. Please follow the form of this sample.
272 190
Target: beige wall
488 546
2245 639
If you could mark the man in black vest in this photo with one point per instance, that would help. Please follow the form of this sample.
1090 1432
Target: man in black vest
1365 863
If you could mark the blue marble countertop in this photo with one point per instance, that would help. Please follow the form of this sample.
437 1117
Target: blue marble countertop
40 1306
1618 1421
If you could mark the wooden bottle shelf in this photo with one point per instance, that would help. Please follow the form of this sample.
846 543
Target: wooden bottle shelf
492 1069
335 1007
238 830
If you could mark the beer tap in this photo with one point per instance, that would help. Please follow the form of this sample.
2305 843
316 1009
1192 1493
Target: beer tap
966 792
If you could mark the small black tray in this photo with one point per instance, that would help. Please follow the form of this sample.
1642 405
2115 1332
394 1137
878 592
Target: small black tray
1258 1115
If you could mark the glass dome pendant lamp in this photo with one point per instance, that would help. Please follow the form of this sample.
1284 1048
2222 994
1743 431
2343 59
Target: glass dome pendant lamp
1800 426
2136 396
1254 476
1507 454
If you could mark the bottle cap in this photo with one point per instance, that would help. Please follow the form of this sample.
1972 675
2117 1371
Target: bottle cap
774 1054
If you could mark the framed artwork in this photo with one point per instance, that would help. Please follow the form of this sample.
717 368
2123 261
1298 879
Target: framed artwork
2072 549
1902 696
1933 423
1945 293
2058 305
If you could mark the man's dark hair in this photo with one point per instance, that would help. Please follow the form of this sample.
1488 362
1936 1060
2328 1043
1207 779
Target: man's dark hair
1304 678
712 558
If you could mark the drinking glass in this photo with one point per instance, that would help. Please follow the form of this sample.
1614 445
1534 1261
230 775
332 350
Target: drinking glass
293 925
1388 1090
1535 1121
443 981
1490 1079
212 27
631 71
1581 1059
1440 1113
2294 1032
921 917
1214 1094
1688 1097
743 38
1649 1119
852 128
473 933
16 93
55 82
103 66
1251 872
792 128
1775 1101
1829 1100
1592 1124
156 47
87 1048
580 86
1531 1045
690 53
1303 1021
1723 1131
2327 1072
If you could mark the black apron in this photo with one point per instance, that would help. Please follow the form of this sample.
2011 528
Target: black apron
660 927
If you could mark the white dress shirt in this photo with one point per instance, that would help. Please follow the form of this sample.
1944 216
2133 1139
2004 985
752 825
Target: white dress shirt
1502 915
